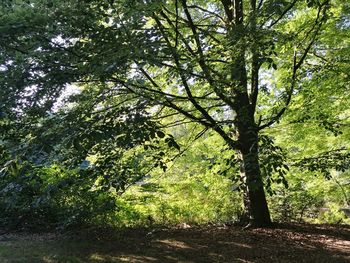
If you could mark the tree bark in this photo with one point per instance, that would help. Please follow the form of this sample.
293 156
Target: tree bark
254 190
247 131
245 127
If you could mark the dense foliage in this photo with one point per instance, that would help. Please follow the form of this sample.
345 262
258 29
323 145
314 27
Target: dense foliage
143 112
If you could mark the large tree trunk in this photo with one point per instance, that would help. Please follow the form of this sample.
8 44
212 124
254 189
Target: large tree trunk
245 126
247 131
254 199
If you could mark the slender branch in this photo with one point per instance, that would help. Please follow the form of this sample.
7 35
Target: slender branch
296 66
184 41
167 102
158 90
177 23
344 192
260 4
190 111
282 15
255 60
201 60
177 123
183 77
207 11
112 106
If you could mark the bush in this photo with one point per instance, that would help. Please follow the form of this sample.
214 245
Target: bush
50 197
333 215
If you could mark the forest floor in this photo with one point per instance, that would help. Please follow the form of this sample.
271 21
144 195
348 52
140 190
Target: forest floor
283 243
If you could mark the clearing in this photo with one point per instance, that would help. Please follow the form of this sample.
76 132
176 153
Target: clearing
283 243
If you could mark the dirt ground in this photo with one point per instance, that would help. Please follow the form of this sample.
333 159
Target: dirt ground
283 243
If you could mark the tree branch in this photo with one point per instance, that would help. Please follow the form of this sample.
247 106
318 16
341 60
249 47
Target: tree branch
282 15
297 65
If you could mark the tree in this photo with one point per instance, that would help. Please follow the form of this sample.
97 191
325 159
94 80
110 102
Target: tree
202 61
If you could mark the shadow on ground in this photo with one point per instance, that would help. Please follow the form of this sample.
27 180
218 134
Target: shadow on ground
284 243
